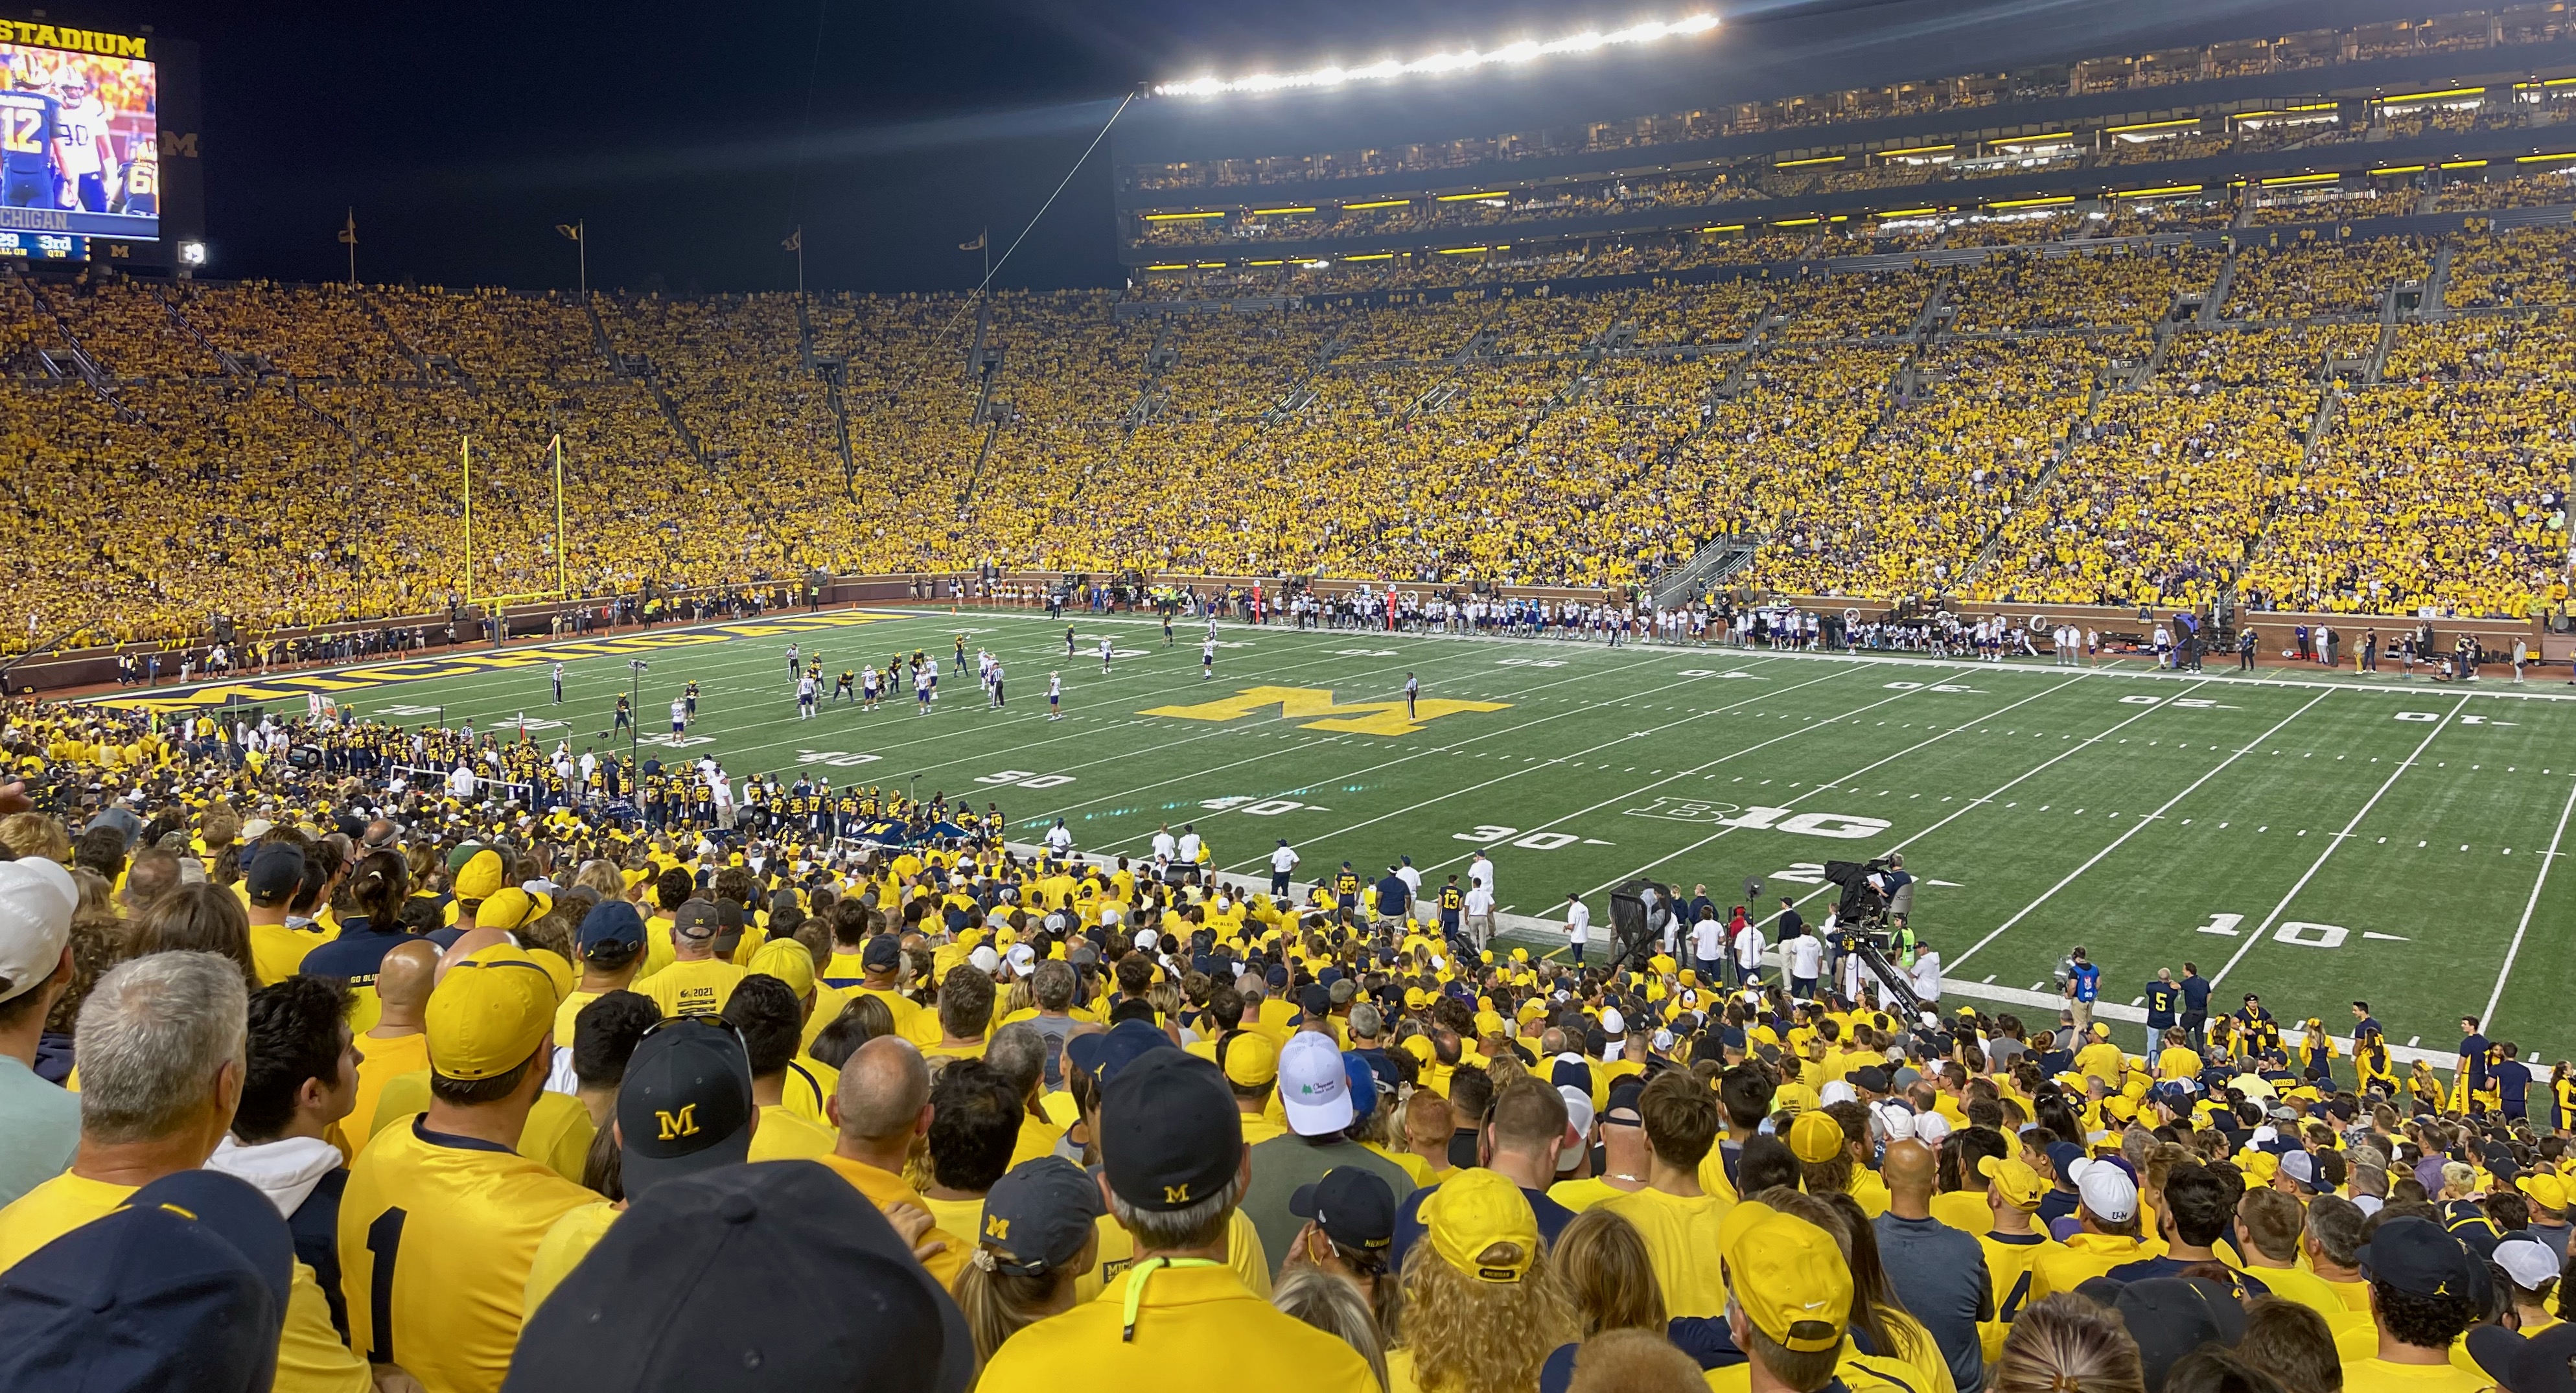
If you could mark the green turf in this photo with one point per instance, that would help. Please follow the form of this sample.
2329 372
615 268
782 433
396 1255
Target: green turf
2116 807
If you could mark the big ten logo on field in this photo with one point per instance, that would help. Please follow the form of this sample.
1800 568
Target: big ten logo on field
1715 814
1313 708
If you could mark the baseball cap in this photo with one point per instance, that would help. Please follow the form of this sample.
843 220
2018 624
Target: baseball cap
613 921
2062 1157
1869 1078
276 872
182 1288
1314 1089
1252 1059
1815 1137
1105 1053
882 953
2107 1190
685 1105
1578 1115
776 1275
1932 1129
1473 1211
2416 1257
1037 1217
512 908
1169 1133
789 962
2527 1261
479 877
2020 1186
695 920
2170 1317
2543 1363
37 898
489 1013
2300 1167
1788 1275
2544 1189
1354 1208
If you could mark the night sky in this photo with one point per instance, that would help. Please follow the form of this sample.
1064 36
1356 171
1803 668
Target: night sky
464 132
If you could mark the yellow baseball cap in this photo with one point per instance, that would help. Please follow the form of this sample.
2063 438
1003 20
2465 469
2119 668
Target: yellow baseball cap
558 967
489 1013
2020 1186
2260 1166
787 960
480 877
1474 1212
1420 1047
1815 1137
512 908
1252 1060
1789 1276
2546 1190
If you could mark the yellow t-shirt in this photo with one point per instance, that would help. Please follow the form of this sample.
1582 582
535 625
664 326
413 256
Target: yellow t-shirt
692 988
454 1224
1964 1210
53 1209
2012 1270
1243 1253
310 1356
380 1062
1194 1318
277 952
2085 1256
2376 1375
558 1133
1580 1195
785 1136
2305 1288
1680 1233
563 1248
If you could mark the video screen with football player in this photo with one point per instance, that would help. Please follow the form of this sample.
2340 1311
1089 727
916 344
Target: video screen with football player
79 152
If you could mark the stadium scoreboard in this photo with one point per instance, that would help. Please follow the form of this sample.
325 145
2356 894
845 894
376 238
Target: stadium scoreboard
98 145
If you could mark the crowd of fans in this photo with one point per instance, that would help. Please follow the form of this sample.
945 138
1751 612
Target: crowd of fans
314 1080
299 449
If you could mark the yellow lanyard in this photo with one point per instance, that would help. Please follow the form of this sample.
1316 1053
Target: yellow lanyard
1136 1286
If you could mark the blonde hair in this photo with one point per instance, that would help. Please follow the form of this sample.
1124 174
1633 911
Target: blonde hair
34 836
2064 1343
1608 1275
1633 1361
999 1305
1332 1304
1472 1336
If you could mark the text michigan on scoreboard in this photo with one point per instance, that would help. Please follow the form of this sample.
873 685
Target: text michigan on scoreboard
80 148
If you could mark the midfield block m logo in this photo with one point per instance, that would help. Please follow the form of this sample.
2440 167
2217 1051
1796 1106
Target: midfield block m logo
1314 709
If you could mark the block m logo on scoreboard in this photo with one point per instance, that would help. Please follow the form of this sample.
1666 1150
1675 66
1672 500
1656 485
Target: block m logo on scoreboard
1314 709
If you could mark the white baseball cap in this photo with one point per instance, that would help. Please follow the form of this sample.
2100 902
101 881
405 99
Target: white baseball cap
984 958
2527 1261
2106 1189
1022 957
1578 1115
37 898
1314 1091
1613 1024
1931 1129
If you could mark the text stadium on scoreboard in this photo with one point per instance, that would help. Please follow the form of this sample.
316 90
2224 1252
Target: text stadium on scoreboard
79 139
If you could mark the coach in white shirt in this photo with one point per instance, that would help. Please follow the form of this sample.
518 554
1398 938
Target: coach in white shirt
1481 872
1164 846
1480 915
1708 948
1188 849
1578 924
1412 878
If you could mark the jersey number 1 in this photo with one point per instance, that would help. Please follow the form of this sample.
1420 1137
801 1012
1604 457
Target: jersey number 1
384 1243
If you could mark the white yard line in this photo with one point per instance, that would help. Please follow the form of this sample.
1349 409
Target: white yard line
1873 764
2256 936
2133 829
2001 789
2486 1019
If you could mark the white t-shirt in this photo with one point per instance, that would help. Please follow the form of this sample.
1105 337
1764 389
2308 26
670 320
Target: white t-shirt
1748 947
1578 922
1283 860
1707 937
1804 955
1481 872
1479 900
1189 847
1412 880
1163 846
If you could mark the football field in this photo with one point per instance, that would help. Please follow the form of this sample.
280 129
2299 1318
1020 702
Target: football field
2310 836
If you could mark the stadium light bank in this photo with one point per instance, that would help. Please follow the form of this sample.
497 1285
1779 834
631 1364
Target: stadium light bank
1469 60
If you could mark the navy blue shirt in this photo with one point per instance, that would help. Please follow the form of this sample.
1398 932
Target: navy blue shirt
357 954
2195 994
